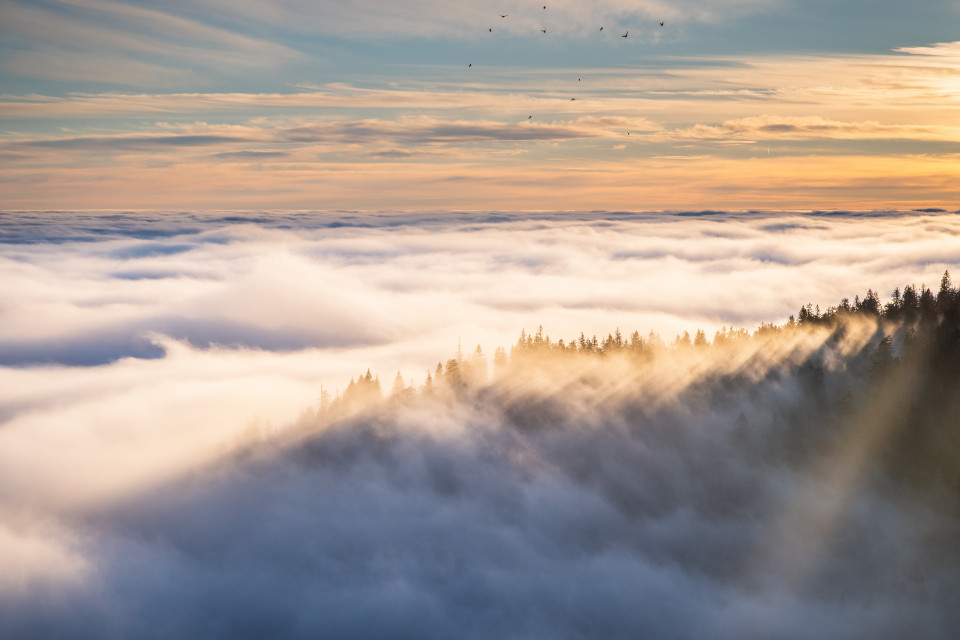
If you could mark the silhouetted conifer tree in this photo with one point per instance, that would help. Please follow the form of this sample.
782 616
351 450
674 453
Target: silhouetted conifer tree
399 386
945 297
538 341
452 374
324 401
654 341
700 340
870 305
499 359
883 356
928 304
910 303
892 310
475 369
608 344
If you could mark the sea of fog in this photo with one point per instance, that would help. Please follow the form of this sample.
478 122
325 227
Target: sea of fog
139 351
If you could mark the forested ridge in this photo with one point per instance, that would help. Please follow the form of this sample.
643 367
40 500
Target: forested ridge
910 317
894 365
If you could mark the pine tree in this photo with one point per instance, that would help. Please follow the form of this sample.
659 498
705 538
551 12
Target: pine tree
700 340
324 401
398 386
499 359
946 294
476 368
871 304
910 302
453 374
928 304
892 309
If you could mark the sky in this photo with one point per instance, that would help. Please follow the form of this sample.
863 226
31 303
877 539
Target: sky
773 104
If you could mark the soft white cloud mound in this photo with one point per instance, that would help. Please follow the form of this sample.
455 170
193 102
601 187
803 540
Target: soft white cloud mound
137 348
91 288
701 493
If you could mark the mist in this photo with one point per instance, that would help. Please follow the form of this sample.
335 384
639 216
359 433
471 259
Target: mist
191 445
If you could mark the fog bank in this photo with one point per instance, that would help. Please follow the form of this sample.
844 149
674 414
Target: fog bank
174 460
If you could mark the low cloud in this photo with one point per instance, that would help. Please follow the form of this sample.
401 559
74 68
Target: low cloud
252 154
684 495
282 281
408 133
941 49
132 142
425 130
813 128
858 131
143 350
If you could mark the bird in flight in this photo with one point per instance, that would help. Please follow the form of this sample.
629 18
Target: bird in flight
504 15
544 6
469 65
601 28
572 99
544 30
625 35
529 117
490 30
661 24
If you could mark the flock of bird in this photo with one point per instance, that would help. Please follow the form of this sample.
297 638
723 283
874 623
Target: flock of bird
544 30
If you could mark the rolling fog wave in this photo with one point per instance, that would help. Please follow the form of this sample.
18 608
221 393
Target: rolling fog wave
799 481
740 490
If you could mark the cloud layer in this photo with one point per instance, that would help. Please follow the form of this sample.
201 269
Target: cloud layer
694 494
140 348
860 131
83 282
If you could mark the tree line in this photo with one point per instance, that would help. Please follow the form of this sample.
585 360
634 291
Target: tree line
899 383
919 313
